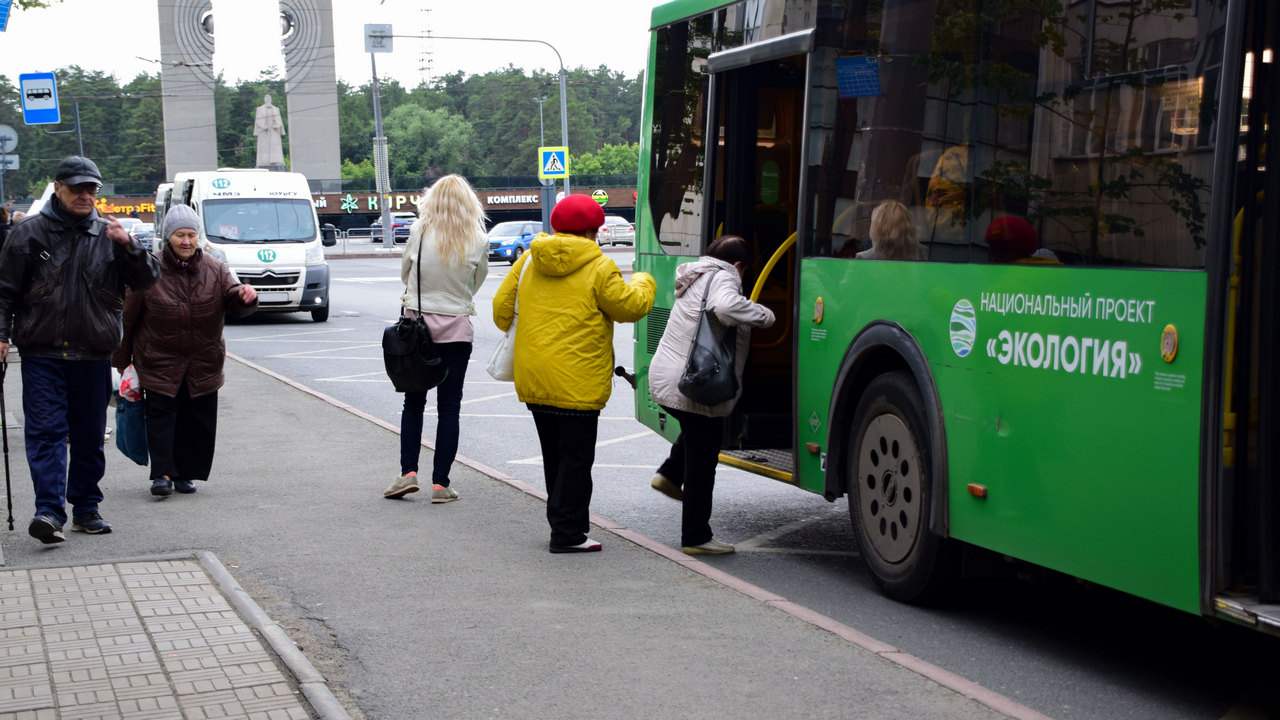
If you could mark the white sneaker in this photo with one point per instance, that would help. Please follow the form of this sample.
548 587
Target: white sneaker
587 545
443 494
710 547
403 485
666 487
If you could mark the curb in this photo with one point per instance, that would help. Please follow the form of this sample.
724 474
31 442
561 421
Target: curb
945 678
310 681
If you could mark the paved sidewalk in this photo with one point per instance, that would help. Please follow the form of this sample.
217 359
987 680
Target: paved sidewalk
133 640
410 609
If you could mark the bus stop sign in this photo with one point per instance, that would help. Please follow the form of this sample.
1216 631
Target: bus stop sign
39 93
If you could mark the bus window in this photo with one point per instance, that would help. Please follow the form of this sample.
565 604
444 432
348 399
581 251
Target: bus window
1093 126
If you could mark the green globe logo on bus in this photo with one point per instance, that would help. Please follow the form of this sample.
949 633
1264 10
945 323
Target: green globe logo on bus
266 255
964 328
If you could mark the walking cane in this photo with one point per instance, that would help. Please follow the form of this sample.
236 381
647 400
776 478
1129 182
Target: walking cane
4 424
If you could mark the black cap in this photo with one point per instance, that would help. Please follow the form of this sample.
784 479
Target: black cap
76 170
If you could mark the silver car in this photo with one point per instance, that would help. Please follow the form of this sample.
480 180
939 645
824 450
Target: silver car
616 231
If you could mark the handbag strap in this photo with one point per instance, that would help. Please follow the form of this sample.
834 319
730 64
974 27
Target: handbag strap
418 270
707 290
523 267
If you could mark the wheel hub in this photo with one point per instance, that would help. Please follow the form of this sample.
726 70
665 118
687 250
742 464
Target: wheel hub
889 496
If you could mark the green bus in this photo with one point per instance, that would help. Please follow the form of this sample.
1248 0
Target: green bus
1081 373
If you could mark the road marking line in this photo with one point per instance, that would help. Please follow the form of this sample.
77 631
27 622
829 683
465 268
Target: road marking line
537 459
307 332
489 397
740 547
759 541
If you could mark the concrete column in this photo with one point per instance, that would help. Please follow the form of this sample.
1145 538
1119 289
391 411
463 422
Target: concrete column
187 81
311 91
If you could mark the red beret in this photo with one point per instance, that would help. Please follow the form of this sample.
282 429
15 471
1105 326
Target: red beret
577 214
1012 237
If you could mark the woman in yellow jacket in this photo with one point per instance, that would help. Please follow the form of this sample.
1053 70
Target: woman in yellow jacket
569 299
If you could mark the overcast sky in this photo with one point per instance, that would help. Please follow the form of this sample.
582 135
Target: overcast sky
121 37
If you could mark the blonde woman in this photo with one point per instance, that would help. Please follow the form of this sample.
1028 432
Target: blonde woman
448 254
893 236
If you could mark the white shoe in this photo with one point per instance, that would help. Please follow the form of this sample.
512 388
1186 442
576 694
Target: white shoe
403 485
710 547
587 545
666 487
443 494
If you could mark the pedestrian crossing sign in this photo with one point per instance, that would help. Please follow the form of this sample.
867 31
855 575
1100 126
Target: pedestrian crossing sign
553 163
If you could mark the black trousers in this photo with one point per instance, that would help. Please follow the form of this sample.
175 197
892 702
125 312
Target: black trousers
568 440
692 466
181 432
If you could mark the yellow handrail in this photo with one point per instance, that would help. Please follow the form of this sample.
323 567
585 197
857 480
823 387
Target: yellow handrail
768 267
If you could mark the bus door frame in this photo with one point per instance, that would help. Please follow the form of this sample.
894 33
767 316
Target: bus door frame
801 42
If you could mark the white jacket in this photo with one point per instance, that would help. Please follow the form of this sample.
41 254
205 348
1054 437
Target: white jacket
727 306
446 290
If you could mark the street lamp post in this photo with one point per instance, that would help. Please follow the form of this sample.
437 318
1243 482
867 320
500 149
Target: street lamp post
564 112
542 138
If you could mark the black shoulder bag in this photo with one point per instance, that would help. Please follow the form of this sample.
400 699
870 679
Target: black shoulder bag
413 363
710 374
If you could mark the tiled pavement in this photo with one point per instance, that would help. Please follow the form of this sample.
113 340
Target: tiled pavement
136 640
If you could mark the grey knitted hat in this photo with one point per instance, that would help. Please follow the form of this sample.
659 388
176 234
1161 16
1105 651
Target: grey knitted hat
178 217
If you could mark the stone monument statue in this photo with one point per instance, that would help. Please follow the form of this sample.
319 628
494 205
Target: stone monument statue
269 129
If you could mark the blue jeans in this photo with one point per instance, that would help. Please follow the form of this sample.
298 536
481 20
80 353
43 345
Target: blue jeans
65 400
456 355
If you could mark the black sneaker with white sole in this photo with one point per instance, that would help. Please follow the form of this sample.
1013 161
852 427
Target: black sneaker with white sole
45 529
90 522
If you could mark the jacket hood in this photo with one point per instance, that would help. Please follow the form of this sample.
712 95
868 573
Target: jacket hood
688 273
561 254
54 211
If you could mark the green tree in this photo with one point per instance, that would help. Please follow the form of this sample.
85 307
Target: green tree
362 170
610 160
426 143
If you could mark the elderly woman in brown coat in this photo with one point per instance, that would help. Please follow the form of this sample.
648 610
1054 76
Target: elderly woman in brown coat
173 337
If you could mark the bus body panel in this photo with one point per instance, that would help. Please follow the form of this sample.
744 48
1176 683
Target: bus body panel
1105 453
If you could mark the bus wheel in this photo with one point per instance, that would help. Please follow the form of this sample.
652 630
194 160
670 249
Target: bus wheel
890 489
320 314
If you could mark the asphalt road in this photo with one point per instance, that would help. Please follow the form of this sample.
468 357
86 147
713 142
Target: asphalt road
1064 649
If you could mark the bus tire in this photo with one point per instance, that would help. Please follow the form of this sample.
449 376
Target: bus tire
890 490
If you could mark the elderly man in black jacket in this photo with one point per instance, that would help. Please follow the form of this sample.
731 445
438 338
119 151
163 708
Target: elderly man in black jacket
62 280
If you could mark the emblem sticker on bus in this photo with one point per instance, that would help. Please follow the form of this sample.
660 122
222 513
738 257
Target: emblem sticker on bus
266 255
964 328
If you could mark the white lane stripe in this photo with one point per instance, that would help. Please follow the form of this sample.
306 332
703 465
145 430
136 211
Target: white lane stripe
537 459
777 533
308 332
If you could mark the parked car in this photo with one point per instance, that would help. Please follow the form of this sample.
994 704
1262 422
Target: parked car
509 240
616 231
400 224
143 232
130 223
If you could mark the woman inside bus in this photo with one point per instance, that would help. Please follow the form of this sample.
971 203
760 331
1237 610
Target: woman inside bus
450 241
689 472
893 235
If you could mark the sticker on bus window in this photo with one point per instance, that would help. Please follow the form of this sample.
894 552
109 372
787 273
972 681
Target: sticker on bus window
858 76
229 231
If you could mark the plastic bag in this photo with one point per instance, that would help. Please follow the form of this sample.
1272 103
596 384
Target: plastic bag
131 430
130 388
